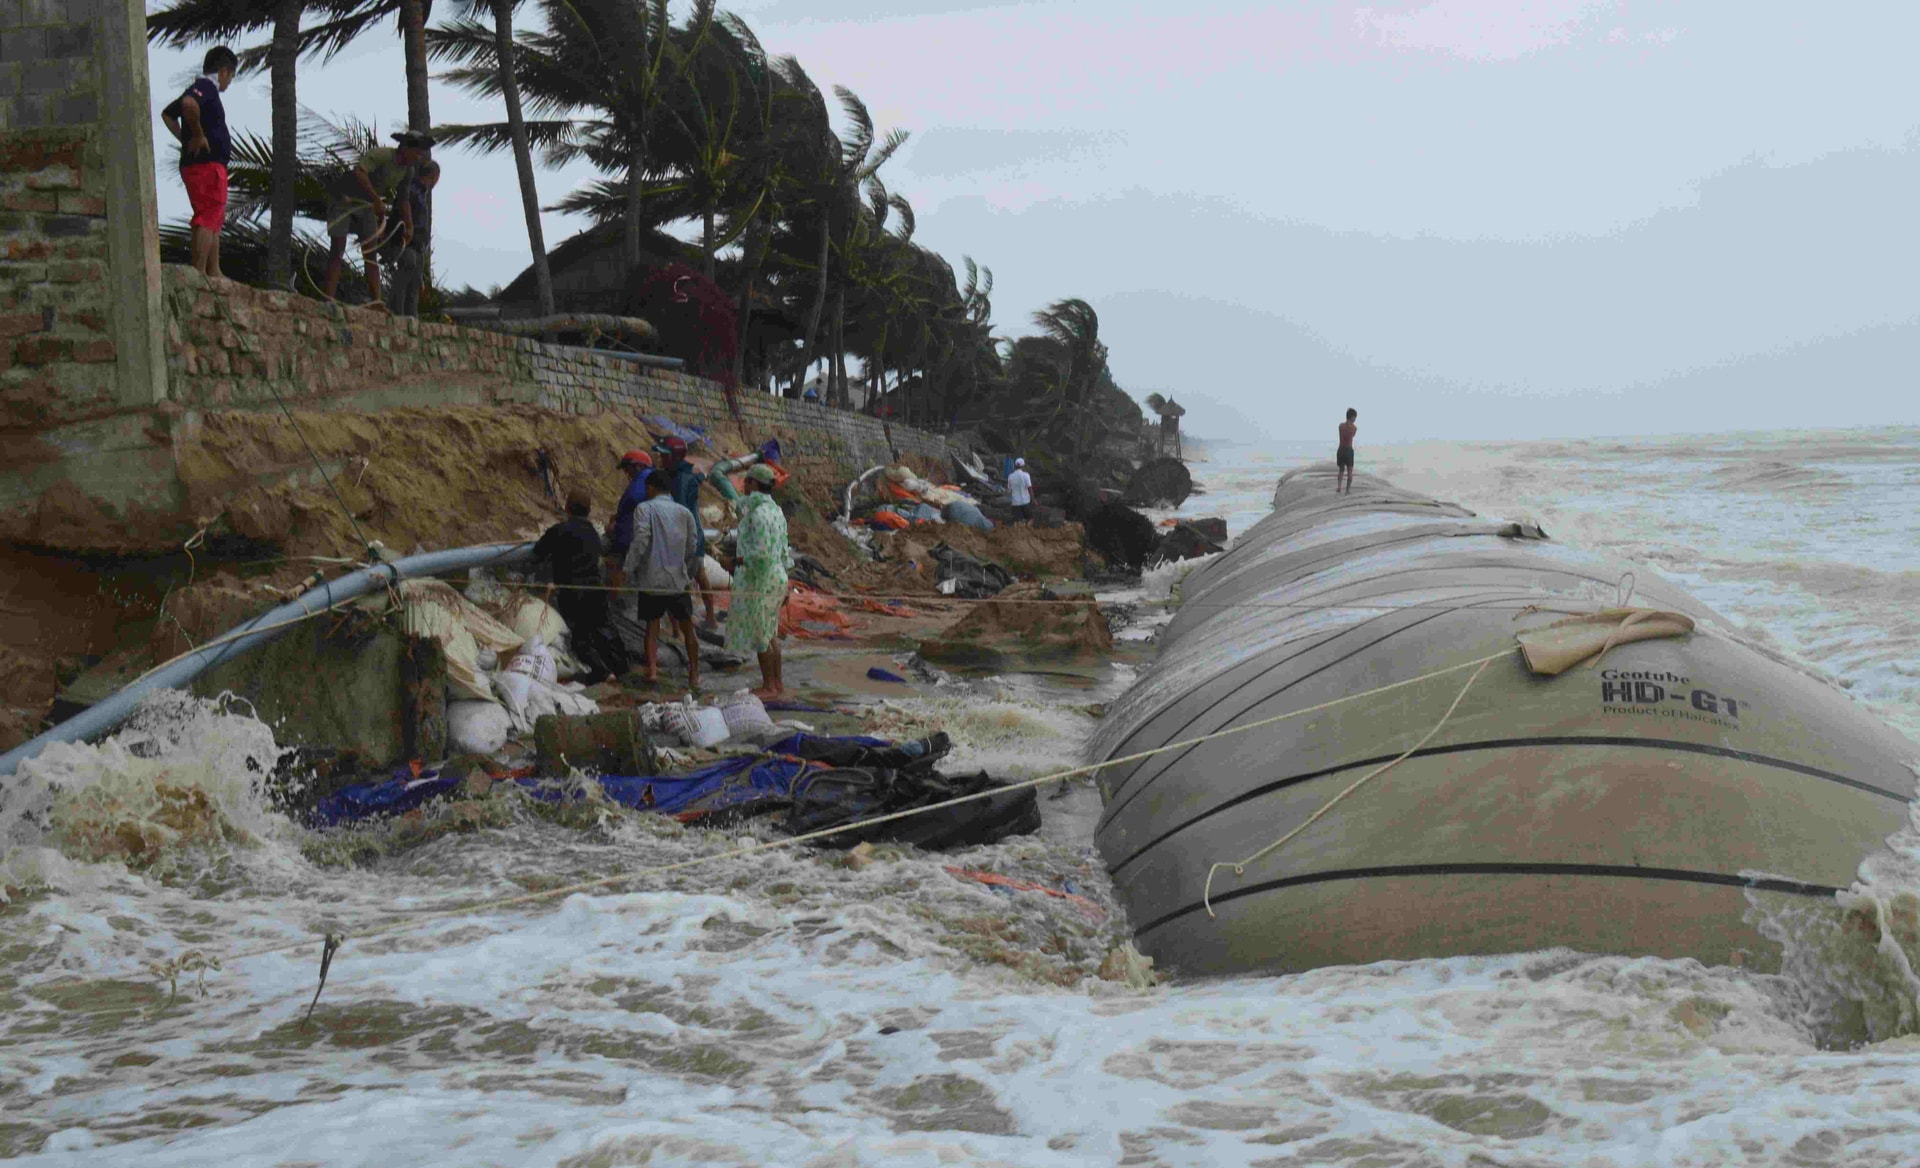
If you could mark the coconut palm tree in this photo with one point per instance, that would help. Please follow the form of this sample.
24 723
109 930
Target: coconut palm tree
848 168
594 79
348 22
456 42
714 127
642 58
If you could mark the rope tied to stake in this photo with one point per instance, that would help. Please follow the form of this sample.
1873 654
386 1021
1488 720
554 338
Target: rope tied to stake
328 948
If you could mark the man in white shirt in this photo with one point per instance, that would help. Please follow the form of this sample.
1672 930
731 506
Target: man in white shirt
666 542
1020 491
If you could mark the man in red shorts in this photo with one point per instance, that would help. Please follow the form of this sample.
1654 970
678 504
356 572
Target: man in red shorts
198 119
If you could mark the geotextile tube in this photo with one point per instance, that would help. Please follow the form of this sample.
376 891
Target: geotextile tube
1627 794
102 717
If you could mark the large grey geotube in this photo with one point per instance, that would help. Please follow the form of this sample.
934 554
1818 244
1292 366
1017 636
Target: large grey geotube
1659 802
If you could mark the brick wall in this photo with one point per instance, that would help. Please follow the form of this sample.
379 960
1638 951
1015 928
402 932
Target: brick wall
231 346
80 345
582 382
234 347
49 71
57 363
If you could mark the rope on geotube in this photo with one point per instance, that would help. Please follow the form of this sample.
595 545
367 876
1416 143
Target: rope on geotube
419 920
1240 866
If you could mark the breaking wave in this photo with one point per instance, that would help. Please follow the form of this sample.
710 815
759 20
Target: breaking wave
182 783
881 1009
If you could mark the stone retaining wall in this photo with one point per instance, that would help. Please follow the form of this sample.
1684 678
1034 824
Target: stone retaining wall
230 346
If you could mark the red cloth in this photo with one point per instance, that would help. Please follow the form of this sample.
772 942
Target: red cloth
207 191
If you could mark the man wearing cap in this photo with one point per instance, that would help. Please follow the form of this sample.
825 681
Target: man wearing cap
1020 491
357 205
683 483
761 560
634 464
407 230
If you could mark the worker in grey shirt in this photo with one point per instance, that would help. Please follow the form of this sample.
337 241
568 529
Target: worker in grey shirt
660 560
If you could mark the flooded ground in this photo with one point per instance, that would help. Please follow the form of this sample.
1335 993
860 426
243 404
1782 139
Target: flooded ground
795 1008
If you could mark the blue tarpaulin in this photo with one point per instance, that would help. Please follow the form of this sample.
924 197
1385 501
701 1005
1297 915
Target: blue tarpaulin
397 795
723 785
691 435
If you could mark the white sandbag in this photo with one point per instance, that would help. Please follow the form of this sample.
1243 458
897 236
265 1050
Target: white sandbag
475 727
714 577
745 714
431 608
514 689
535 660
530 617
527 699
696 725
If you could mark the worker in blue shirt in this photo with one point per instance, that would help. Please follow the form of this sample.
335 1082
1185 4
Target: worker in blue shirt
636 465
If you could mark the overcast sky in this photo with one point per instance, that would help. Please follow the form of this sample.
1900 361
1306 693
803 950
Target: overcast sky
1465 218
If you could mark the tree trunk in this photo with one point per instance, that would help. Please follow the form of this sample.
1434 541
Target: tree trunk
706 240
807 352
837 353
636 173
413 34
751 257
522 153
282 61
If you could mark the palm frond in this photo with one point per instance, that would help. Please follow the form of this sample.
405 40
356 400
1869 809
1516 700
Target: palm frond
191 22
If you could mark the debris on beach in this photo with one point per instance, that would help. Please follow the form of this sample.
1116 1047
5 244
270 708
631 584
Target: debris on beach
1024 624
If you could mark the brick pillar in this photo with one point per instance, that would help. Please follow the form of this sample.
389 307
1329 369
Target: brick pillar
80 313
133 221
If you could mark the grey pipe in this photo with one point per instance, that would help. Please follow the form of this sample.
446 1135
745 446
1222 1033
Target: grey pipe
646 360
102 717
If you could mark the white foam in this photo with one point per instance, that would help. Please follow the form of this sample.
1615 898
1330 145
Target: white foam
735 1013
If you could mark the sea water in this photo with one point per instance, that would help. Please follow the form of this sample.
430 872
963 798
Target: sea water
791 1008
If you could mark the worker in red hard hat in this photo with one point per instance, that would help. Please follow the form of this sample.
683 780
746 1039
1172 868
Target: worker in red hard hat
636 465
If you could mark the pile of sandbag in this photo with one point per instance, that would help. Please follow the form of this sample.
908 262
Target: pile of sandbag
907 498
738 717
500 678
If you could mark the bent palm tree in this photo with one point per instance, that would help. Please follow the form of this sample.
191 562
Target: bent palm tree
1074 328
594 79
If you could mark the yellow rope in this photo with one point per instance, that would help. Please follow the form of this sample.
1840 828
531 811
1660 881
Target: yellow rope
941 598
1240 867
425 918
